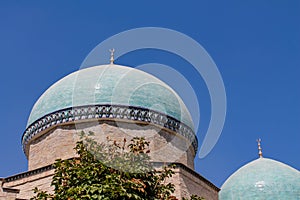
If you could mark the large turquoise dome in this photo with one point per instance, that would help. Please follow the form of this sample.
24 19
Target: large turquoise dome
262 179
114 85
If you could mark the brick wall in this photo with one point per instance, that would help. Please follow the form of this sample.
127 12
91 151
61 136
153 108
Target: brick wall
187 182
59 142
28 183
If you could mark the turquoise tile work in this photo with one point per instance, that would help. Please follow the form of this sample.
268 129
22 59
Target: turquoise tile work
262 179
114 85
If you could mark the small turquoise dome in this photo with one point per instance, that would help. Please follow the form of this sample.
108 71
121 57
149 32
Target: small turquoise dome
262 179
114 85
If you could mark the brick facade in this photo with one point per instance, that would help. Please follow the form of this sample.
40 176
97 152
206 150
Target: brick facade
166 146
59 141
187 182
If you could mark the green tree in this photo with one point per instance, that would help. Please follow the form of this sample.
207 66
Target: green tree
110 171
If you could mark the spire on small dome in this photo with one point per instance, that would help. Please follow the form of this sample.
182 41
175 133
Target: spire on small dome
112 59
259 148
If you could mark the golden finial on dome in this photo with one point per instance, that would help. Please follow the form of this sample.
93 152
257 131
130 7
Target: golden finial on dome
112 59
259 148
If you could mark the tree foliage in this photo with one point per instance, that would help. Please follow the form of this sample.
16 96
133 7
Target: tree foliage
109 171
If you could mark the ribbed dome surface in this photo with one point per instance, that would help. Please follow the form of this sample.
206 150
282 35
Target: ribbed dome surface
262 179
111 84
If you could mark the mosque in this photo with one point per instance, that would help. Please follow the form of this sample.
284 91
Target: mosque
120 101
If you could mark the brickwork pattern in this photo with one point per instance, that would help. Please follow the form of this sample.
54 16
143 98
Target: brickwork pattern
186 184
60 141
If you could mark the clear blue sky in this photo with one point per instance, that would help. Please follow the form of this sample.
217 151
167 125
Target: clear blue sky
255 44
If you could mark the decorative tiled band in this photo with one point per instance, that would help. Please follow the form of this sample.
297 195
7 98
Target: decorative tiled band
74 114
